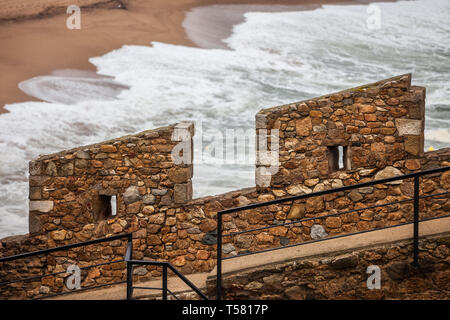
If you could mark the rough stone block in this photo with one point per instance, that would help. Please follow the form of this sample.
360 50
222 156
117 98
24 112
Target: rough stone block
166 200
35 193
318 232
35 168
345 261
297 189
366 108
333 222
398 270
108 148
58 235
445 180
303 127
148 199
51 169
80 154
296 293
182 192
355 196
131 195
134 207
389 172
159 192
415 112
41 206
180 175
263 177
81 163
408 127
413 145
412 164
297 211
141 271
261 121
107 192
267 158
34 223
183 131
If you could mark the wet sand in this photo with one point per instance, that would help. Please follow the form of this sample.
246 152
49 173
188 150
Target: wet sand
34 39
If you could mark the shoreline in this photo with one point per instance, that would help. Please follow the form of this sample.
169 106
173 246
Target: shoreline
40 44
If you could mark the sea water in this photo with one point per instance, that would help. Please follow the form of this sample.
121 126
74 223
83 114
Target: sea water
270 59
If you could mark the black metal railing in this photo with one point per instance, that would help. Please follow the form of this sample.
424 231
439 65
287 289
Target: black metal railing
127 259
165 267
127 236
415 199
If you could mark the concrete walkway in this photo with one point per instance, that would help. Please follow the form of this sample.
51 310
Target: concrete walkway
231 266
119 292
335 246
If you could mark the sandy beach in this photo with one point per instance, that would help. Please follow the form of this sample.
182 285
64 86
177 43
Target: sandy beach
34 39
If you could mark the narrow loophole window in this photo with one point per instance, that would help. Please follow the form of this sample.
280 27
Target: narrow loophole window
338 158
113 206
341 157
104 207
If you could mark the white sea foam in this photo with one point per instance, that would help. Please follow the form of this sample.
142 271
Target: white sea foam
274 58
70 90
440 135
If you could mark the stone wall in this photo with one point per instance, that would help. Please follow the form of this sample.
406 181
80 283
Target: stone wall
58 263
333 205
73 195
380 130
71 192
375 125
344 275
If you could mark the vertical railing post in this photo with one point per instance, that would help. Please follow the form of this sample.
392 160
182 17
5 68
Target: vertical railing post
219 257
416 221
164 282
129 256
129 281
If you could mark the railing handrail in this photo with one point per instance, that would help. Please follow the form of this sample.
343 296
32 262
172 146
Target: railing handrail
127 236
165 265
343 235
297 221
187 281
328 191
415 199
65 247
128 259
